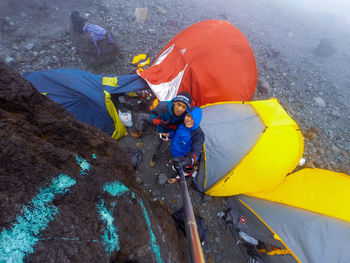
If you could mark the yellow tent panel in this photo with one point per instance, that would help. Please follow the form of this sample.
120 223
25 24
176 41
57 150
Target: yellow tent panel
321 191
119 128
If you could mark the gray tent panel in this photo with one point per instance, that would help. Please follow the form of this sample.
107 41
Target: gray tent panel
231 131
251 224
312 237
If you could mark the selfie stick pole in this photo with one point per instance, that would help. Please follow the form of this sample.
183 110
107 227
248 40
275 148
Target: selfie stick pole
194 244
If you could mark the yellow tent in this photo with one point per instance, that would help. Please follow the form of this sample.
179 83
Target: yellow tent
249 147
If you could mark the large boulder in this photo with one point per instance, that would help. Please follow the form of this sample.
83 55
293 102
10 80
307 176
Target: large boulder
325 48
67 190
86 47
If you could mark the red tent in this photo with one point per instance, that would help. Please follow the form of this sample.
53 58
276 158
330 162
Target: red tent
212 60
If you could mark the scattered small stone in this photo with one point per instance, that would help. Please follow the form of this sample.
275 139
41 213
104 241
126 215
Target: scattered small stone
141 15
139 144
220 214
20 59
162 179
161 10
320 102
336 149
309 165
29 46
139 180
9 59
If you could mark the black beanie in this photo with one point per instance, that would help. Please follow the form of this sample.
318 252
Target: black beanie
184 97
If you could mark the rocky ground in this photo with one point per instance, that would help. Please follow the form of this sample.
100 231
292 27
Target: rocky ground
314 90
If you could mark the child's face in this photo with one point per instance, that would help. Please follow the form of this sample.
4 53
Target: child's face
188 121
179 108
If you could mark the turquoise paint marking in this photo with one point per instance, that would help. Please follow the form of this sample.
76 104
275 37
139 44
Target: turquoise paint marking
110 237
94 156
84 165
154 244
21 238
115 188
132 195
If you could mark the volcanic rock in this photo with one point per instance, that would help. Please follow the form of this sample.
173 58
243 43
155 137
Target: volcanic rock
67 190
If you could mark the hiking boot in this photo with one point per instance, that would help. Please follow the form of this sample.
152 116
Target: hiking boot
153 160
136 134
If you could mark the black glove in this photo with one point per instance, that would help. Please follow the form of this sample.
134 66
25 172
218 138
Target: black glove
181 161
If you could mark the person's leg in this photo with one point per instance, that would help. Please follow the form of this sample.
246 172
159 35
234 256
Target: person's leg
142 120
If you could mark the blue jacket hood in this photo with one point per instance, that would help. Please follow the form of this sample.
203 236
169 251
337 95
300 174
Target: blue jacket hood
196 113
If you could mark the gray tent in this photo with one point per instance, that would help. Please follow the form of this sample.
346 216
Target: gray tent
298 235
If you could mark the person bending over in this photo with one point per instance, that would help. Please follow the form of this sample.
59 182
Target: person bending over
187 143
167 116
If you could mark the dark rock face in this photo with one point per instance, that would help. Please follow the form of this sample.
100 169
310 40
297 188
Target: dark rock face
67 190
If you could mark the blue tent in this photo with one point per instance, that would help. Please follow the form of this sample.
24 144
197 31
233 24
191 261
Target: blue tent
87 96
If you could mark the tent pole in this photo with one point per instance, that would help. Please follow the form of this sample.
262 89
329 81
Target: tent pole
194 244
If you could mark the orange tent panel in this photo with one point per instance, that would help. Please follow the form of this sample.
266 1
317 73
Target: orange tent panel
212 60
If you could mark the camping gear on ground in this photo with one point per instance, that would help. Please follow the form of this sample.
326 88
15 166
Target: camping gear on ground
126 118
87 96
97 33
94 41
194 243
249 147
211 60
304 219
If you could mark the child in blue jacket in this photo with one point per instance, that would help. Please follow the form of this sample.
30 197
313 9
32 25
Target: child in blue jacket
187 143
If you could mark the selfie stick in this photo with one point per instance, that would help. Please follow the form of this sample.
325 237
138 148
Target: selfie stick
194 244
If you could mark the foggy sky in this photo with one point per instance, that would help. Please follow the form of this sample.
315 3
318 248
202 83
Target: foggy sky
338 7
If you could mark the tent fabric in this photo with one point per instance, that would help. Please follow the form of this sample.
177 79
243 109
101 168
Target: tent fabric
250 147
246 221
119 128
321 191
229 148
212 60
309 236
83 94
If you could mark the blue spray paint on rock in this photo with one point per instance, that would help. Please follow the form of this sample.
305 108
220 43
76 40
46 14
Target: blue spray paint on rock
21 238
115 188
110 237
154 244
84 165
